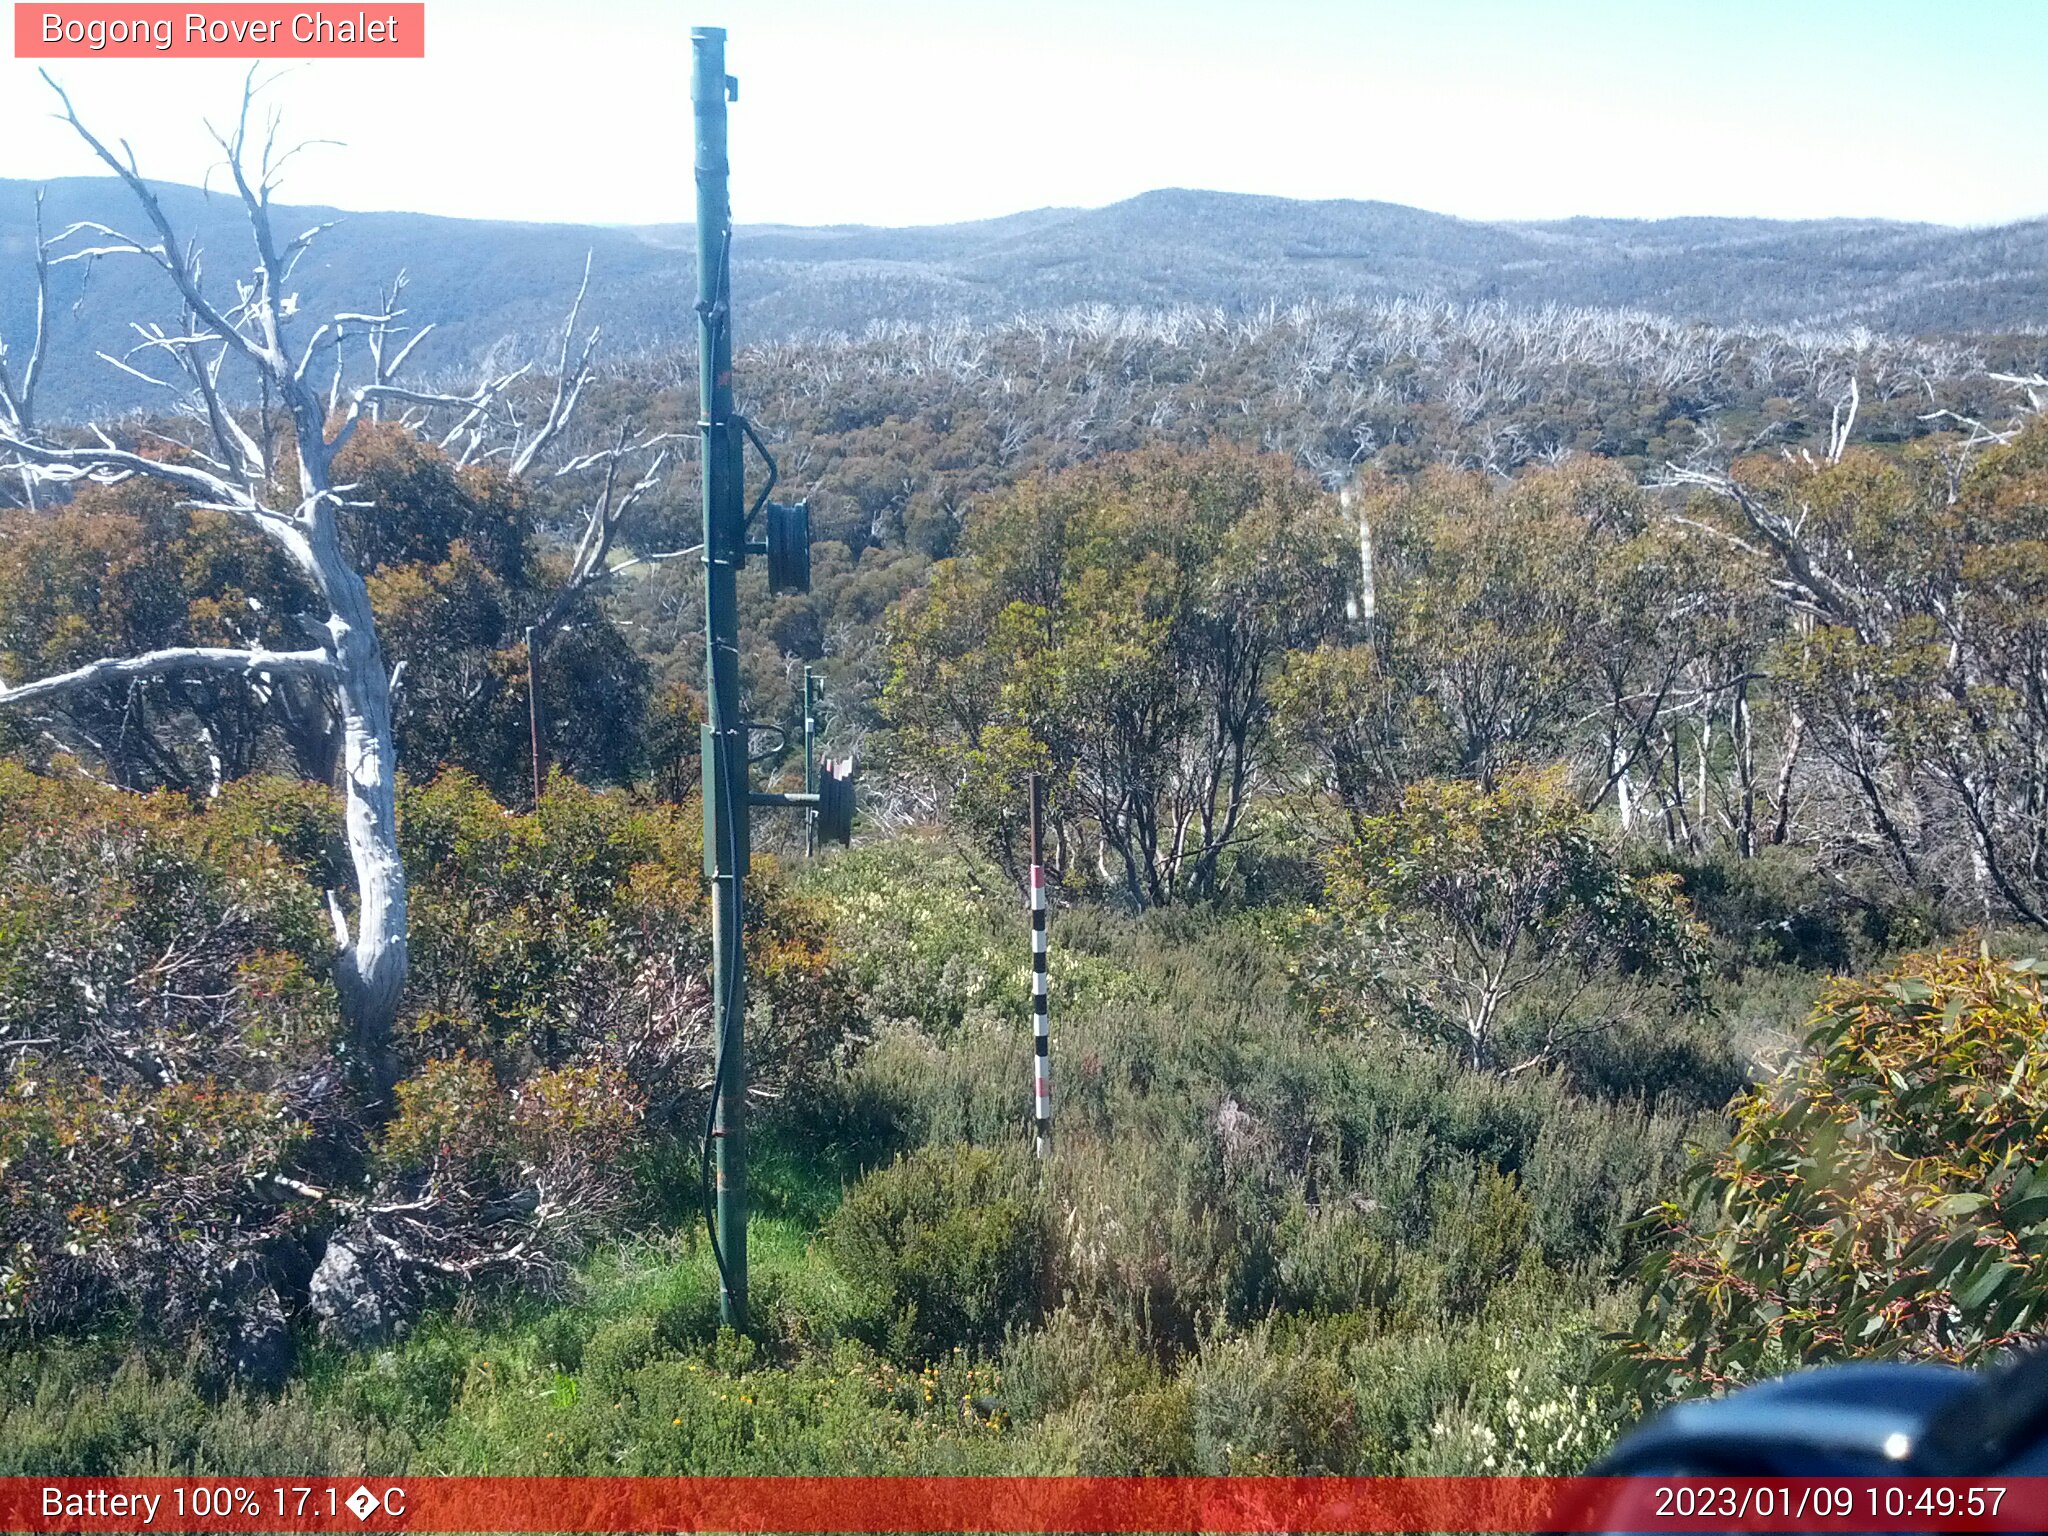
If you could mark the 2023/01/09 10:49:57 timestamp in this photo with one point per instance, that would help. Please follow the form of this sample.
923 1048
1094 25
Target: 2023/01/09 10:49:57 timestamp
1871 1499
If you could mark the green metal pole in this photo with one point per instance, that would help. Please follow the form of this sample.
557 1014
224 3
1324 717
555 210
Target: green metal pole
725 747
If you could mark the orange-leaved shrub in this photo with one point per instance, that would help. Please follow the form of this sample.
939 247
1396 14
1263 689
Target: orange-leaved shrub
183 1131
579 934
168 1040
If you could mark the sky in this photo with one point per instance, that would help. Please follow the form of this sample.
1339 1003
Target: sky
919 112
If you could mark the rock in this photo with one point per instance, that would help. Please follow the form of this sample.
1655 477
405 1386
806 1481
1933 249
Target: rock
260 1349
354 1295
1239 1134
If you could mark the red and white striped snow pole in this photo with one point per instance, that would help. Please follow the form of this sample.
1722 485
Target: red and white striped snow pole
1041 1029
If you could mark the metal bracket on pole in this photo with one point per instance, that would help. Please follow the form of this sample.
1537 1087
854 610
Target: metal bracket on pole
830 805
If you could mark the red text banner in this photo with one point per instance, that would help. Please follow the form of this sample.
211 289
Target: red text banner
223 31
1021 1504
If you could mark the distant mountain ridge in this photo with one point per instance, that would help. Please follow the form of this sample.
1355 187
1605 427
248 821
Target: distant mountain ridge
498 288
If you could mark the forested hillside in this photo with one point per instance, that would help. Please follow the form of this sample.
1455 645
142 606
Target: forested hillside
495 288
1547 822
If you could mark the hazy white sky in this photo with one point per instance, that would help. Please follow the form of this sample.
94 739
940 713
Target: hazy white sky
923 111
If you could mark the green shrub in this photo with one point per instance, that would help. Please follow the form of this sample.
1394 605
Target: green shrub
1884 1197
452 1112
577 935
941 943
175 1042
412 1388
1779 909
1690 1063
943 1249
727 1407
690 1317
84 1410
1475 918
1261 1409
153 1200
1051 1368
911 1091
1505 1392
558 1341
1151 1243
1485 1227
1146 1433
616 1351
1333 1259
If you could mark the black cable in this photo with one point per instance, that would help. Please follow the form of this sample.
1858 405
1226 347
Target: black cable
720 316
704 1188
735 953
733 958
706 1192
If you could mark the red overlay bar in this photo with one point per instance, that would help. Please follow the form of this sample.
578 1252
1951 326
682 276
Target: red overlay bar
380 29
1022 1504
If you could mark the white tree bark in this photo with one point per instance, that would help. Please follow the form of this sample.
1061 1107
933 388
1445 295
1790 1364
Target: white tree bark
236 476
590 566
185 659
18 381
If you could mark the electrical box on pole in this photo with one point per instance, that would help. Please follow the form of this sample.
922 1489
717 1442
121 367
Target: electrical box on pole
723 436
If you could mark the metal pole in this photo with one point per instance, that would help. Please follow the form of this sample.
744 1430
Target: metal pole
810 761
725 747
533 713
1041 1025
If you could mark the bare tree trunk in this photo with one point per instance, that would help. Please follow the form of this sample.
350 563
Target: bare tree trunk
1781 817
1741 726
372 965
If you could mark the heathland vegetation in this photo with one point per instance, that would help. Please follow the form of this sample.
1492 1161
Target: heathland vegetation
1547 817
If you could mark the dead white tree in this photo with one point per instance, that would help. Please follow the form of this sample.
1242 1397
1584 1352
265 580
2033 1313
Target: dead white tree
1843 422
230 468
1809 580
590 562
18 390
489 426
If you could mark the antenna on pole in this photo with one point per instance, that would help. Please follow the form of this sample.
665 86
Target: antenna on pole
723 435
